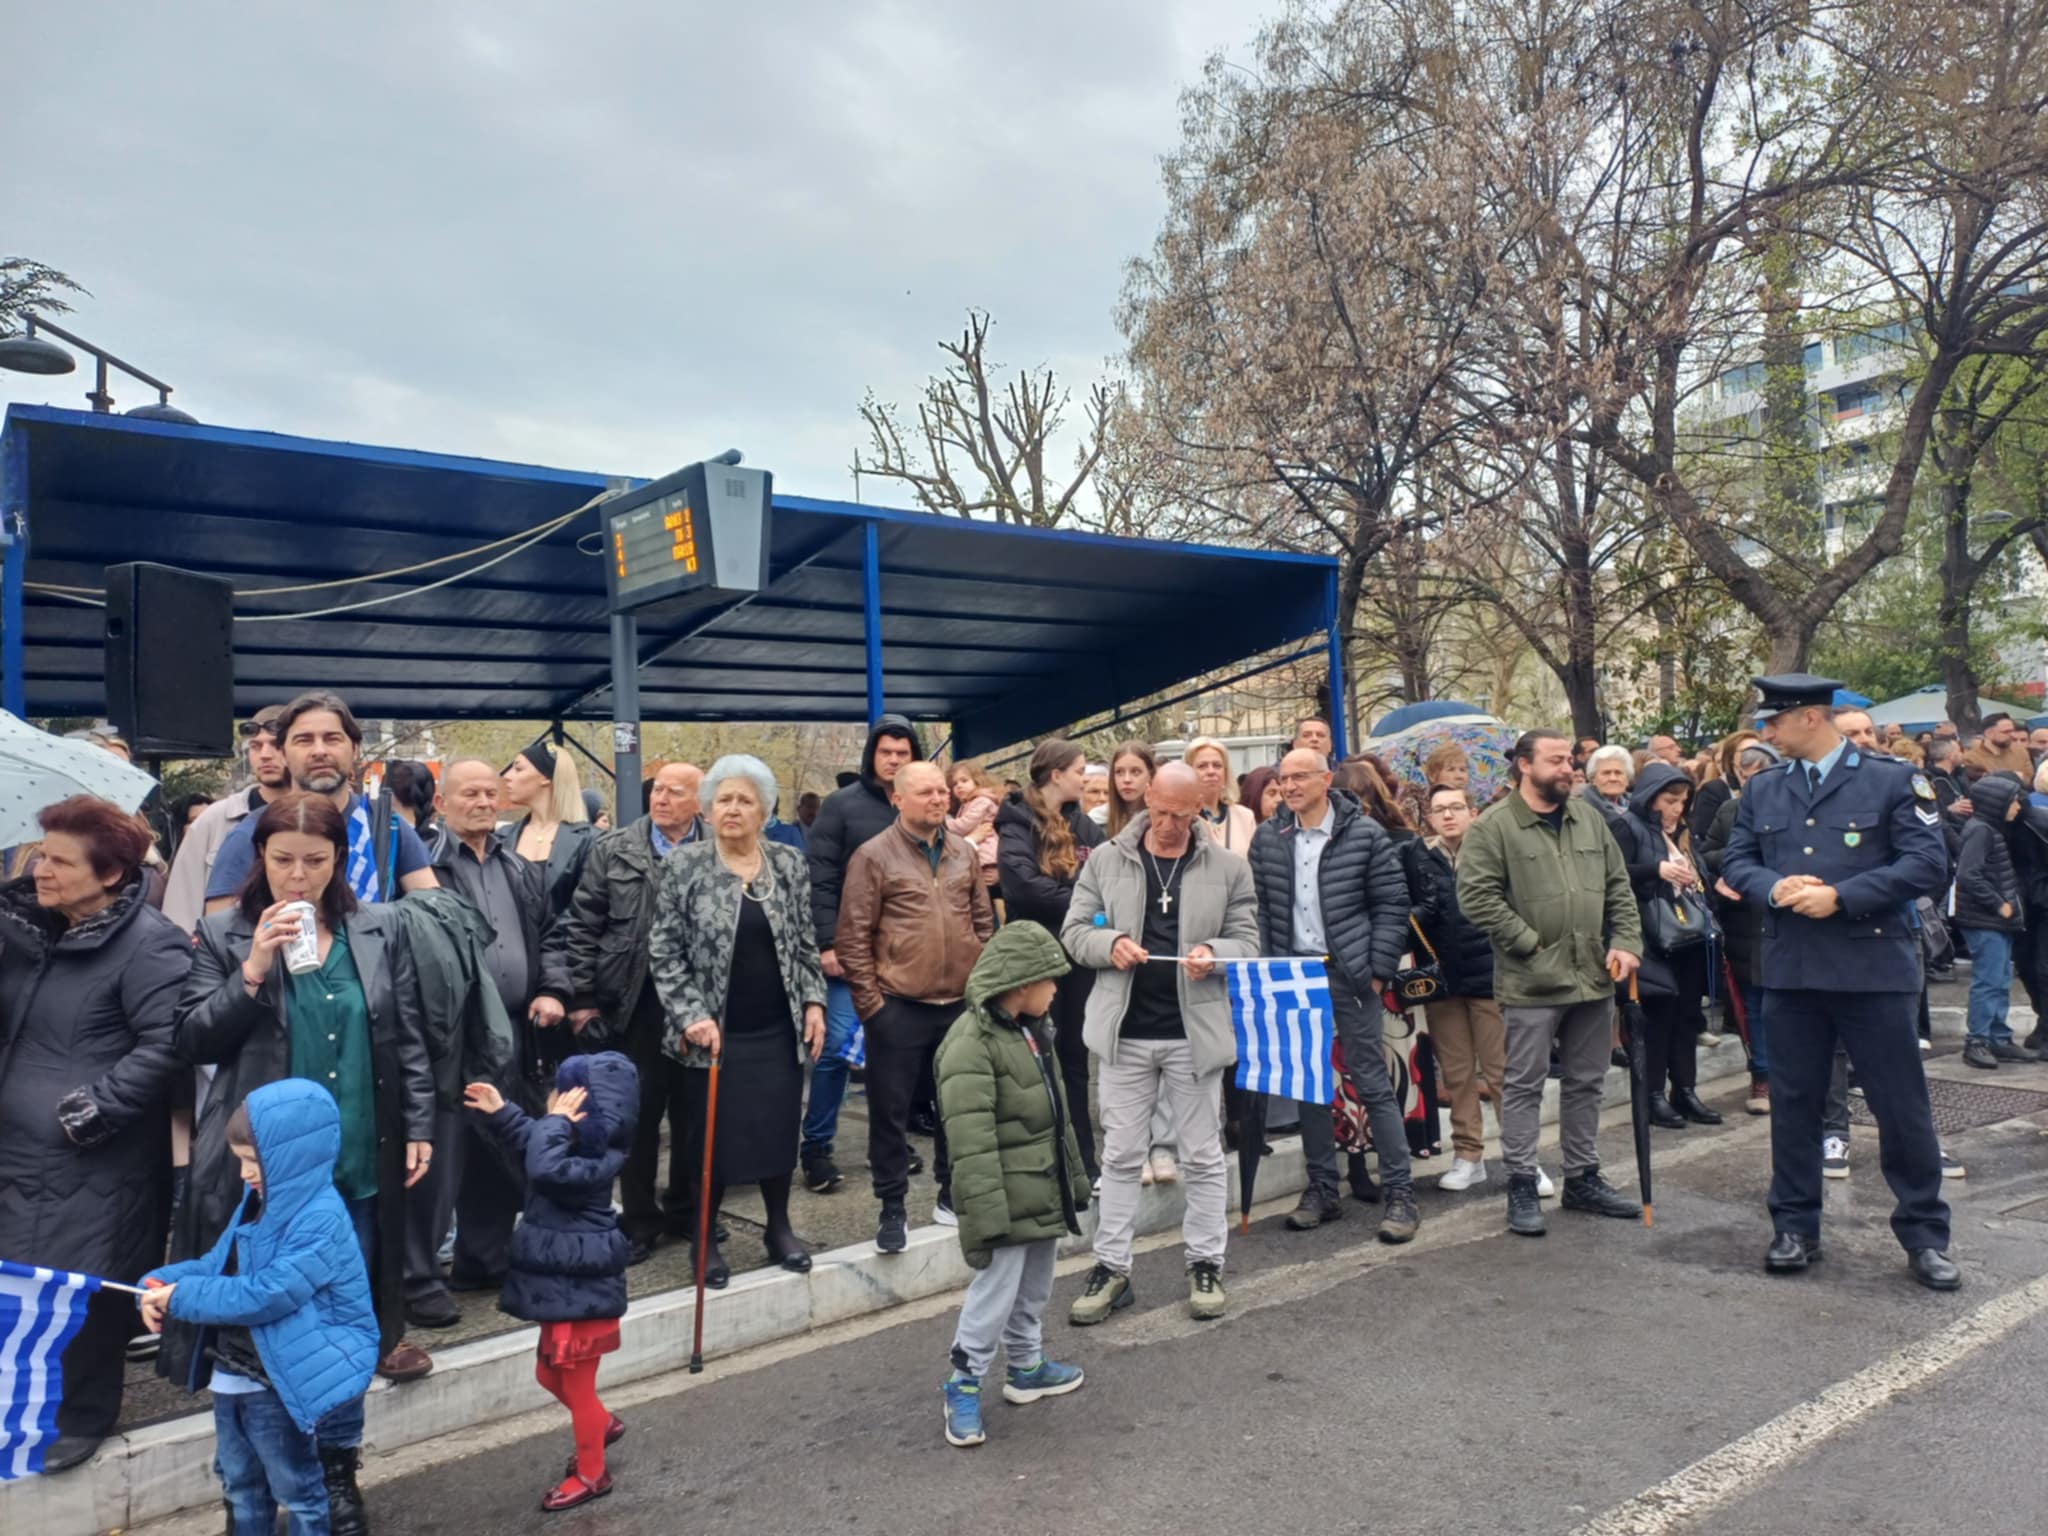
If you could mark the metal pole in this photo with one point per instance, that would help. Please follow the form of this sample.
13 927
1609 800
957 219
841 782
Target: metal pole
1339 706
13 558
871 608
626 718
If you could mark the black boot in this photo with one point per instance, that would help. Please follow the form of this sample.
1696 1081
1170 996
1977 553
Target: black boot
1661 1113
345 1515
1525 1214
1688 1104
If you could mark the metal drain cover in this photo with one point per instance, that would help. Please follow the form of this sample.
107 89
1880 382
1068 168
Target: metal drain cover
1962 1107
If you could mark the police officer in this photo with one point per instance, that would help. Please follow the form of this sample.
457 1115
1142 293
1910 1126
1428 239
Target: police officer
1835 847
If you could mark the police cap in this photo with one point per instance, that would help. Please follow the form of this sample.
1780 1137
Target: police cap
1793 690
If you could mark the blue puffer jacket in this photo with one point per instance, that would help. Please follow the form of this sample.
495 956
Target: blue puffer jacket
299 1285
568 1262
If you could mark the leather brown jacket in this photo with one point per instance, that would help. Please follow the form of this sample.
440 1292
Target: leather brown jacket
905 930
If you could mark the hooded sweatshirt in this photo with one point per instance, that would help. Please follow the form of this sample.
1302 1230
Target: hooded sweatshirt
1986 877
298 1285
1017 1170
848 818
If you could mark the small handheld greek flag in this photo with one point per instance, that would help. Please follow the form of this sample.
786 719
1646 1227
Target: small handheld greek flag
1285 1025
40 1310
856 1052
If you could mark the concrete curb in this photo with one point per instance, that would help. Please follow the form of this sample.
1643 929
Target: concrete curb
161 1469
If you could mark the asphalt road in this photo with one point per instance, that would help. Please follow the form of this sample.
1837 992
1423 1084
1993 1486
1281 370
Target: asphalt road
1474 1381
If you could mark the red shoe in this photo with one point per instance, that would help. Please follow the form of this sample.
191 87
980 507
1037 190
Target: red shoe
576 1490
614 1432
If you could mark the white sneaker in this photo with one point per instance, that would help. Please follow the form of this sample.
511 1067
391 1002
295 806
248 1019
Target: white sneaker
1834 1158
1464 1174
1163 1168
1951 1168
1926 1046
1709 1039
943 1214
1544 1188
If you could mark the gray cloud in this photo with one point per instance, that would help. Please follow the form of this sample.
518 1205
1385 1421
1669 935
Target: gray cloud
612 236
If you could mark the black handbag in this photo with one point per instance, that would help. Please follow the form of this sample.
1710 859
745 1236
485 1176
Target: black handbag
1419 983
1675 923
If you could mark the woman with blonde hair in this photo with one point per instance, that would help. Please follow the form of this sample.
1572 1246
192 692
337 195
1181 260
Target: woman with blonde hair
554 830
1231 825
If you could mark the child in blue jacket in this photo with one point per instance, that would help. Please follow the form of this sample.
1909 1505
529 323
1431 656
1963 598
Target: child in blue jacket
567 1268
283 1300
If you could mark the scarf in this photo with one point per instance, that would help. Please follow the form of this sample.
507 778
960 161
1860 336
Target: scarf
362 851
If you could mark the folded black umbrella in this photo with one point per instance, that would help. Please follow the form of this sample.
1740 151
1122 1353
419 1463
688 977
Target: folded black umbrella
1251 1145
1635 1032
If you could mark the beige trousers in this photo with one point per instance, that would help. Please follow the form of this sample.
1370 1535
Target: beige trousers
1471 1043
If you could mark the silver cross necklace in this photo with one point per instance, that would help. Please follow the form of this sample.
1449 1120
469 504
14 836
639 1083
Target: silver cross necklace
1166 881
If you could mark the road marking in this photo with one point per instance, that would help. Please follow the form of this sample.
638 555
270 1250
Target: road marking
1742 1464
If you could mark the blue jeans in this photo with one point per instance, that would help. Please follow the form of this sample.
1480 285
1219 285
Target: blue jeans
1751 994
265 1460
1990 984
341 1429
828 1073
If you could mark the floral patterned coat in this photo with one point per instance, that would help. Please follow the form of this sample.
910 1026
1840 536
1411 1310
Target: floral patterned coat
689 947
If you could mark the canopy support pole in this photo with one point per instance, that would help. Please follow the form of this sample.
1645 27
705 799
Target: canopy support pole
871 610
1340 712
13 561
626 718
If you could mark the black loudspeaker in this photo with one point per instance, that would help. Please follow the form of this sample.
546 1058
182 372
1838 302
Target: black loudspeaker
170 661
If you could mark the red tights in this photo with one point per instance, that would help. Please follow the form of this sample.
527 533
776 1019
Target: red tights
575 1388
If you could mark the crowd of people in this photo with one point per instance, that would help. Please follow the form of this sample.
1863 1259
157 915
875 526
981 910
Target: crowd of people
504 1002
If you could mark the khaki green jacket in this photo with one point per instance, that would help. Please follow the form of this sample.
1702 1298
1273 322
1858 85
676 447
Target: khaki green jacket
1553 903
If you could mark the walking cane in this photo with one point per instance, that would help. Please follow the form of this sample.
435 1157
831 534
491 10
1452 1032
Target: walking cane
704 1204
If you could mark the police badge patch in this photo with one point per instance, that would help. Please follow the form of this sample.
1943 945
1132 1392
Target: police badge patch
1921 787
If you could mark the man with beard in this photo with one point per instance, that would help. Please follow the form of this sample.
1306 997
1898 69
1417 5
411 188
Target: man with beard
321 740
1544 879
185 895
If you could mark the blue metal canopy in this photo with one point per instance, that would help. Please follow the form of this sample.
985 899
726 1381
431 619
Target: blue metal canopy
1004 632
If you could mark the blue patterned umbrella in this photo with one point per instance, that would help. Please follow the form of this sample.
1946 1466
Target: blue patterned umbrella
1485 741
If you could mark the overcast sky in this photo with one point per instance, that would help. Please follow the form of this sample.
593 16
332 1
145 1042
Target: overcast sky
615 236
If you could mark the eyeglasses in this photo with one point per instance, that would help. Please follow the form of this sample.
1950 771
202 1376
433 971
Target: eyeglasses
249 730
1288 780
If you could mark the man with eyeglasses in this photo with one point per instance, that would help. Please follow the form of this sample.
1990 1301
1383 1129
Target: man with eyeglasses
185 895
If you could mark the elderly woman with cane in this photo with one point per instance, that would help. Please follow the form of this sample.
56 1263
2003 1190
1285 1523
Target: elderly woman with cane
734 956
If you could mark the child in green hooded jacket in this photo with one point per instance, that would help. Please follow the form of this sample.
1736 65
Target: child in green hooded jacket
1018 1180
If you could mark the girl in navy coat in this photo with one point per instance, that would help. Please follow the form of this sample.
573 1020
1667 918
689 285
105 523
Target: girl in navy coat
568 1266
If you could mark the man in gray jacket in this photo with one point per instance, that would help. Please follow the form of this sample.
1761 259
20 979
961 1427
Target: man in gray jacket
1161 1027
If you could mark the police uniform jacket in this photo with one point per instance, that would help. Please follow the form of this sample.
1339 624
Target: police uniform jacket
1872 831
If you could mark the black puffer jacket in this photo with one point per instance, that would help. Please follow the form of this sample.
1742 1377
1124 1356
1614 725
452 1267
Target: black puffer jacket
1029 894
1986 877
87 1015
1364 893
848 818
1640 835
568 1261
1465 953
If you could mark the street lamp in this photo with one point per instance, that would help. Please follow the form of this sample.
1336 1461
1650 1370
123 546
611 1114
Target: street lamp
30 353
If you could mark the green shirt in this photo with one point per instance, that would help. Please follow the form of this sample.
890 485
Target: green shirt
330 1045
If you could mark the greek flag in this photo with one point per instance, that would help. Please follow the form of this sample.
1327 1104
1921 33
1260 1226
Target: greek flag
1285 1025
856 1052
40 1309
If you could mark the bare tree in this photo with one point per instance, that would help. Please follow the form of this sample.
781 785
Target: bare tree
980 444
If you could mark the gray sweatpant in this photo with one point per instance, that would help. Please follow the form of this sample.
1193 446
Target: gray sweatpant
1147 1074
1005 1304
1585 1040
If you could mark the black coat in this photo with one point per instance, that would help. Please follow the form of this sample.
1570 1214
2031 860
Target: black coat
87 1014
595 954
1640 835
246 1039
1364 893
1706 805
1742 922
564 865
568 1260
1462 949
1986 876
1029 894
848 818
